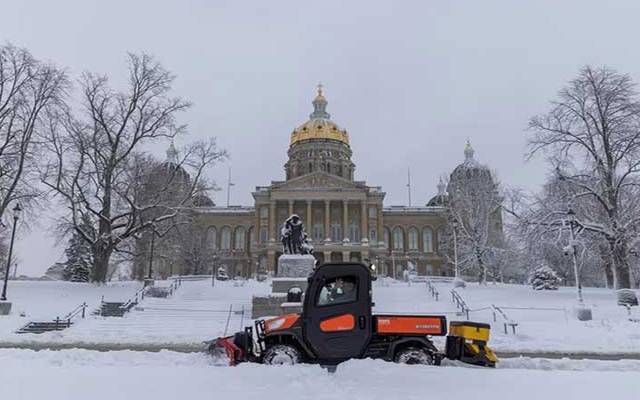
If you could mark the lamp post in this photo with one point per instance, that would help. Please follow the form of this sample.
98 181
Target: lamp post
455 249
153 240
16 215
214 262
571 217
582 312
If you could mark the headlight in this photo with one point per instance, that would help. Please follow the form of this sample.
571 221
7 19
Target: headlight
275 324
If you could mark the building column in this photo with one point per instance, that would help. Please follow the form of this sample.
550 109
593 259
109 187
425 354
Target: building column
272 221
345 256
290 207
345 220
327 256
364 226
327 220
380 234
309 219
257 228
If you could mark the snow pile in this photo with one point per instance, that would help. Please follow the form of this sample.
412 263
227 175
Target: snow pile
78 374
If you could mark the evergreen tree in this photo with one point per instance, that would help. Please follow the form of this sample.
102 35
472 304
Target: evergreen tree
544 278
77 267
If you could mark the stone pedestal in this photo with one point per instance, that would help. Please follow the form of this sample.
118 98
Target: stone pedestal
5 307
295 265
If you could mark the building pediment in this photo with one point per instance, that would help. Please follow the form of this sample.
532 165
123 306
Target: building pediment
319 181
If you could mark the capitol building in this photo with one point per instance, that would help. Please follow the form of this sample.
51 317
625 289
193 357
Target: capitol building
346 219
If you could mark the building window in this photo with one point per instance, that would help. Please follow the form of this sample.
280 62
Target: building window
354 232
212 237
336 232
263 234
318 232
413 239
225 238
386 239
429 269
238 243
398 239
373 235
427 240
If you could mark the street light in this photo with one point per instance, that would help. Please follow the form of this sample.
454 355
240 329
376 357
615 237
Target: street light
571 217
455 249
583 312
17 210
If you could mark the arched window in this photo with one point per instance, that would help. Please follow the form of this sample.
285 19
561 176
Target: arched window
427 240
225 238
398 238
386 237
212 237
238 243
413 239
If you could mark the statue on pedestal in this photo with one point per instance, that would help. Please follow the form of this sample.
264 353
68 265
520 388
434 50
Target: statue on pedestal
293 237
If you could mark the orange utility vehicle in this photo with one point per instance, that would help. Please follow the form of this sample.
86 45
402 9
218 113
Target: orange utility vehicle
337 324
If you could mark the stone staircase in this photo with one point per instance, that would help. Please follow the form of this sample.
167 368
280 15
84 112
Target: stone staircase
55 325
114 308
42 327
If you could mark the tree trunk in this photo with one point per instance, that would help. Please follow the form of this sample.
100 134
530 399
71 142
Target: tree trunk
620 264
101 257
608 274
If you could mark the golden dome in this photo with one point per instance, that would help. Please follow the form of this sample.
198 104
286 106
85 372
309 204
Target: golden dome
319 125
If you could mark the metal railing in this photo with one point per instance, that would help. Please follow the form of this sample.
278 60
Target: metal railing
460 303
505 319
432 289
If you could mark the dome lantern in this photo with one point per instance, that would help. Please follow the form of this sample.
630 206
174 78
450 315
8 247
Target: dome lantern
319 106
468 151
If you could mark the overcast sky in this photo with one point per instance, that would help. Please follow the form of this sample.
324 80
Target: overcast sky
410 81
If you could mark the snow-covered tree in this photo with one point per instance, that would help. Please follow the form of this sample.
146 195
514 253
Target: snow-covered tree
78 263
95 166
475 215
592 136
544 278
29 91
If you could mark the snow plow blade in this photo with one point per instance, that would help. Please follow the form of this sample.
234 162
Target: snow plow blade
232 350
467 342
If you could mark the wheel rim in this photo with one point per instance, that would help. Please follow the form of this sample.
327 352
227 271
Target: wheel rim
282 357
413 357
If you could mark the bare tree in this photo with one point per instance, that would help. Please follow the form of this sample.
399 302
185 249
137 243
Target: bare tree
474 210
96 166
28 88
592 134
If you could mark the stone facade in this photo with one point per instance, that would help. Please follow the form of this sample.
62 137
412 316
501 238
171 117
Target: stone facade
345 219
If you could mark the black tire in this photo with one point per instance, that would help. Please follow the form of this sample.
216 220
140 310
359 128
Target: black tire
414 356
281 354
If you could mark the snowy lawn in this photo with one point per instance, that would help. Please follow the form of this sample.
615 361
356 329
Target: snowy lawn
44 301
551 330
82 374
199 312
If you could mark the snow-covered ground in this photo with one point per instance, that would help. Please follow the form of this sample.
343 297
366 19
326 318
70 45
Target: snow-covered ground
198 312
46 300
82 374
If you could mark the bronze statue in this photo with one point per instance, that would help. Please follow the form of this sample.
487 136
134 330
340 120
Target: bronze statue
294 238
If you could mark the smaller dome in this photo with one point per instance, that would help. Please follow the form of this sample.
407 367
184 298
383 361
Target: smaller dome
202 200
438 200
